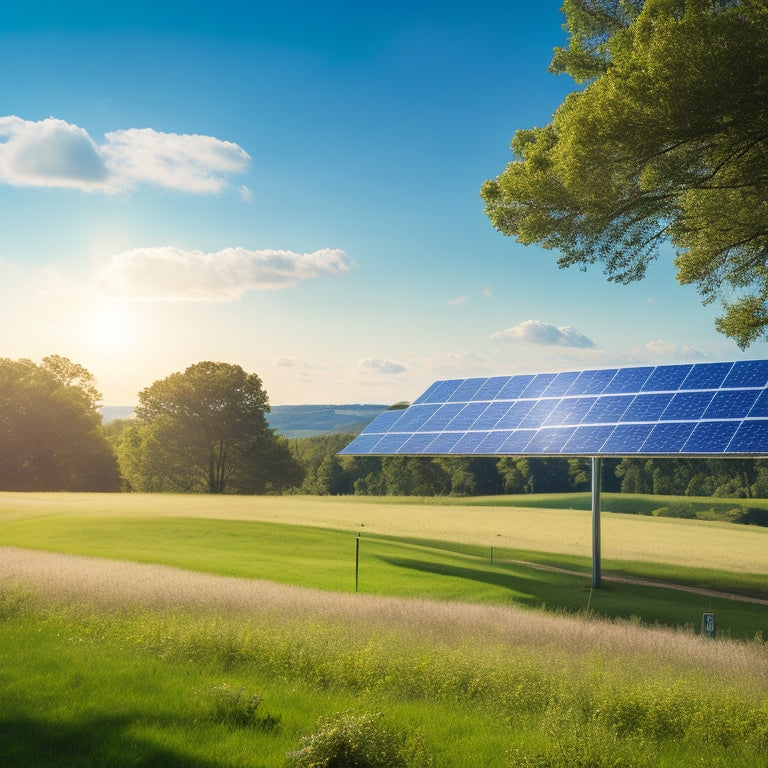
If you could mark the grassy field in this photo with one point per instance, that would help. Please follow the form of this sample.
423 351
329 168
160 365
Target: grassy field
226 632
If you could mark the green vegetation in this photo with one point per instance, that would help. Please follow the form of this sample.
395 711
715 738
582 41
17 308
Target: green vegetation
51 437
664 143
451 655
96 682
482 554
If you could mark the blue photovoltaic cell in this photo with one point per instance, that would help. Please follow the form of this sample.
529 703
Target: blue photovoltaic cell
442 417
414 417
687 405
391 442
608 409
538 414
747 373
419 442
627 438
669 437
517 441
706 409
560 384
444 442
516 412
570 410
439 392
733 404
592 382
711 436
364 443
750 437
589 441
468 442
467 416
647 407
385 421
493 441
514 387
707 376
491 388
760 408
489 418
536 387
628 380
549 440
666 378
466 390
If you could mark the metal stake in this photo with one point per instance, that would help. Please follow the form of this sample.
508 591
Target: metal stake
597 466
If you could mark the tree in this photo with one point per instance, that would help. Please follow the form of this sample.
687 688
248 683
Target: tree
51 437
205 430
666 143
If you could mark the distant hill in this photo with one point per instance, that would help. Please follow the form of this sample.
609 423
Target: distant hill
295 420
112 412
312 420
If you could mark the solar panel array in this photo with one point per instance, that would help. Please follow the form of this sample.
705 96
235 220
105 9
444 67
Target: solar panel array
704 409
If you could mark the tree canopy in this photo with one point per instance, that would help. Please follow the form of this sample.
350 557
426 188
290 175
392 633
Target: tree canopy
667 142
50 429
204 430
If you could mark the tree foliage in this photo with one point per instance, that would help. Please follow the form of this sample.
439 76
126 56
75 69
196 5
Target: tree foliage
204 430
51 438
666 143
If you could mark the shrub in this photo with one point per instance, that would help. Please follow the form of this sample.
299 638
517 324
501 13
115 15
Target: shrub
359 741
235 706
681 509
753 516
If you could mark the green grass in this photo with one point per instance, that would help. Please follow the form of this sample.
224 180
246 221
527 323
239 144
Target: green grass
146 687
442 642
705 507
324 558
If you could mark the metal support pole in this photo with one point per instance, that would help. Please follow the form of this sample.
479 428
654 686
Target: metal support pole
597 467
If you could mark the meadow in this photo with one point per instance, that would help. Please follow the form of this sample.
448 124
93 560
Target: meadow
198 631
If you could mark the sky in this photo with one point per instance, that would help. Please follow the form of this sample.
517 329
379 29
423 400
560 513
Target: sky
293 187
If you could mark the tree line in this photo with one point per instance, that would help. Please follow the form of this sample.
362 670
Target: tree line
327 473
204 430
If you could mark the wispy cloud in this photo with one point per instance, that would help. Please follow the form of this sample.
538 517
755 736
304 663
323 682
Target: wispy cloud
173 274
659 350
300 363
458 301
544 334
376 365
54 153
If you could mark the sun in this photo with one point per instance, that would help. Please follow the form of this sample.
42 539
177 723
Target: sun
111 326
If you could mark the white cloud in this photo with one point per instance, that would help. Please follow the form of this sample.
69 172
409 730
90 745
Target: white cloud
301 363
458 301
378 366
544 334
172 274
54 153
658 350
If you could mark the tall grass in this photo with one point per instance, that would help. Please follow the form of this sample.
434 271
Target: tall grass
115 663
139 668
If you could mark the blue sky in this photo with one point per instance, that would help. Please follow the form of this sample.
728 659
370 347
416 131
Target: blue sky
294 187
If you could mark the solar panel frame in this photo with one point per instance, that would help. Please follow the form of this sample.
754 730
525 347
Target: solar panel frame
702 409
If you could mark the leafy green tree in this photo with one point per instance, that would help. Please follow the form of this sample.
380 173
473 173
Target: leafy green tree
205 430
665 143
51 437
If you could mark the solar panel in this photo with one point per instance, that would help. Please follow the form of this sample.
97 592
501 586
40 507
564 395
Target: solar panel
706 409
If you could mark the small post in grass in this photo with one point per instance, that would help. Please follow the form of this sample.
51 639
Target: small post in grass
357 560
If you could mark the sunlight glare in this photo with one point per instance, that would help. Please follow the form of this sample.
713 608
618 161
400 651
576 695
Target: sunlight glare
111 327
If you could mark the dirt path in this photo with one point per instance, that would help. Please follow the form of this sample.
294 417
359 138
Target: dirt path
646 583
